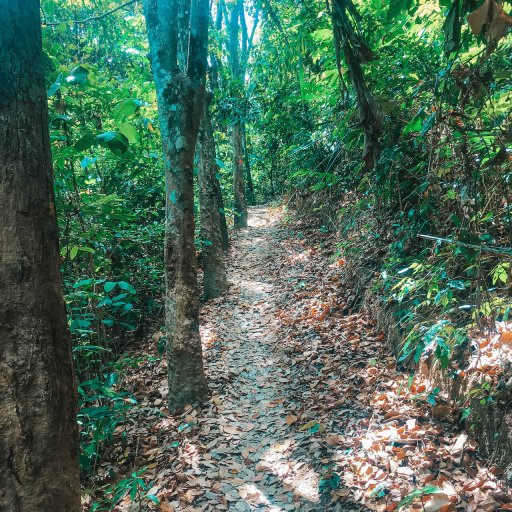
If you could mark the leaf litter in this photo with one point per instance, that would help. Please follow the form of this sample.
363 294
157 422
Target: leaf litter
308 410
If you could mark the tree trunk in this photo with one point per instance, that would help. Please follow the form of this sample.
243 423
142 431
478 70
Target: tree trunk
222 213
214 265
178 57
251 199
272 187
38 429
355 52
240 206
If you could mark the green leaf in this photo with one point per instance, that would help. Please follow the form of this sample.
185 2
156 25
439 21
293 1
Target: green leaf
78 76
465 413
85 142
87 161
417 493
125 109
106 136
82 282
397 6
416 123
55 86
457 284
500 273
126 286
130 132
115 141
73 253
153 498
109 286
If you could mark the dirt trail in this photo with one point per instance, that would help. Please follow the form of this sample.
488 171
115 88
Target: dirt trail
253 444
308 411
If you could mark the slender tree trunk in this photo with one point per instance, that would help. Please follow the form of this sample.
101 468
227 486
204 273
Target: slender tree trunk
240 205
251 199
272 187
214 265
38 429
355 52
177 34
222 213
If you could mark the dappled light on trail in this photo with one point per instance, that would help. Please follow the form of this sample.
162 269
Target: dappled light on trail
308 410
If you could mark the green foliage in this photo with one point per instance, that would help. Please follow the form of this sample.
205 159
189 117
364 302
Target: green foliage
443 169
109 199
134 486
443 164
417 493
330 480
102 409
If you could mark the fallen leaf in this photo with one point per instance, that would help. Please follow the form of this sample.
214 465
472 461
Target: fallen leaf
291 419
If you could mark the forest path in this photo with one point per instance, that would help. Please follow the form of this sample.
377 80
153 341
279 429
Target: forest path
308 410
252 442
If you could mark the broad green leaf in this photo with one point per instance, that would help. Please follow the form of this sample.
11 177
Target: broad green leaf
126 286
109 286
87 161
85 142
115 141
125 109
77 76
55 86
130 132
415 124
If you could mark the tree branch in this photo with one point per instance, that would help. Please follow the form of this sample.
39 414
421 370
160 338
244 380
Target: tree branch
92 18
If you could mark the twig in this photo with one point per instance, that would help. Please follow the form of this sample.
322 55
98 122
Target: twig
504 251
92 18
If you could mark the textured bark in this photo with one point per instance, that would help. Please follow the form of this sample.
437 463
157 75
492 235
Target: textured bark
211 206
240 205
222 213
355 52
251 198
38 430
272 186
178 36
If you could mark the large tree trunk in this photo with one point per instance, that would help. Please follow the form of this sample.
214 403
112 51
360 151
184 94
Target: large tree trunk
211 206
177 33
38 429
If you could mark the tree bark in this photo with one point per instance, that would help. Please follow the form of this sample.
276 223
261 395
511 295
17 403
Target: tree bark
178 37
211 206
38 429
355 52
240 205
251 199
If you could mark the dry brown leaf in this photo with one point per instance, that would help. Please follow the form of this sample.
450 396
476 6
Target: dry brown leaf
490 14
291 419
231 429
441 411
506 337
165 506
435 502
